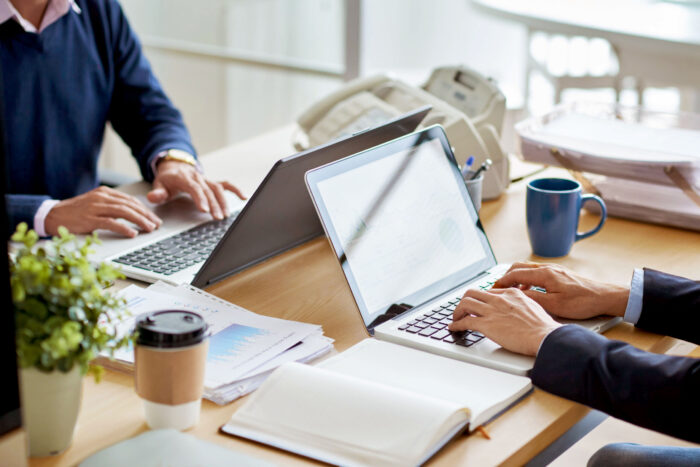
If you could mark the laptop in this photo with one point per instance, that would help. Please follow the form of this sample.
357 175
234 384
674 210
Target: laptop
190 247
410 243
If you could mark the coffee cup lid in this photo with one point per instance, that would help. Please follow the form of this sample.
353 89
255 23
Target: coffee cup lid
170 328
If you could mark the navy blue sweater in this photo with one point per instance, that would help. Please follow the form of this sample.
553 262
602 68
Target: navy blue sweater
61 87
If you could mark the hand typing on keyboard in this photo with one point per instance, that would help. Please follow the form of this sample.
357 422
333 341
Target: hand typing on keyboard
173 177
569 295
513 312
506 316
99 209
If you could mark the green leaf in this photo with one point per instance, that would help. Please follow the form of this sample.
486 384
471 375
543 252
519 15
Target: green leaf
59 301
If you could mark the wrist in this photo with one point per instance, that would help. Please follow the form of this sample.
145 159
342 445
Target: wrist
617 297
176 158
541 335
52 221
167 165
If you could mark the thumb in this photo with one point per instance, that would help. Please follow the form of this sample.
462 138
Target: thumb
159 193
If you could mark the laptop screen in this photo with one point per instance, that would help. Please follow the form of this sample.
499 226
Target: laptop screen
401 222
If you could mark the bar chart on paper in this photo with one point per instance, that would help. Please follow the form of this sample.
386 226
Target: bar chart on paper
236 344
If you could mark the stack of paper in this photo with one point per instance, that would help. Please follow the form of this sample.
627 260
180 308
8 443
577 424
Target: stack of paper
611 147
658 204
244 347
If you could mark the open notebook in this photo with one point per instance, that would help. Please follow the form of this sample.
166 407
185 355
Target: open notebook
377 403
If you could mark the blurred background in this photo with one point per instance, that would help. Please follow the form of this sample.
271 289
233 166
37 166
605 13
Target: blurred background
237 68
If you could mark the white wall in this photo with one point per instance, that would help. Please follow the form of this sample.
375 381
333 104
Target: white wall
415 36
224 103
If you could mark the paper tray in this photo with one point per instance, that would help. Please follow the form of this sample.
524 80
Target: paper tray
617 141
656 204
640 154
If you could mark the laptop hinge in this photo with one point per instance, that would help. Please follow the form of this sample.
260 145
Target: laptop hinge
394 311
409 307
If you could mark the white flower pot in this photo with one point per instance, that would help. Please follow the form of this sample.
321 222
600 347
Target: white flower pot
50 406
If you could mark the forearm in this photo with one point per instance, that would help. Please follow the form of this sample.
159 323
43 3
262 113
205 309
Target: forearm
654 391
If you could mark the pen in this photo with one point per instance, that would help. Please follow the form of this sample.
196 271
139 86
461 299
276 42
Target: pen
467 166
483 431
485 166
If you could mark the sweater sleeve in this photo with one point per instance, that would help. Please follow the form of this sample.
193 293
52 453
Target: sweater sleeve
140 112
22 208
654 391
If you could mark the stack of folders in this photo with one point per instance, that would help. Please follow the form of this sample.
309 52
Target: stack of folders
645 164
375 404
244 347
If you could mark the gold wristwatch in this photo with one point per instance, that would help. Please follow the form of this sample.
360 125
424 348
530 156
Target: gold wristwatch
179 156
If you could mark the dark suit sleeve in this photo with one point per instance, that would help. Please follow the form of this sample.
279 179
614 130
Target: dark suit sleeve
22 208
654 391
670 306
140 112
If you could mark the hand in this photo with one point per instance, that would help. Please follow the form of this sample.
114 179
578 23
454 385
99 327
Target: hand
569 295
174 177
99 209
506 316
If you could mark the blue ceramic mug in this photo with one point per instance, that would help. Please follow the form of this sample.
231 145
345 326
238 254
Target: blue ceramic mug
553 207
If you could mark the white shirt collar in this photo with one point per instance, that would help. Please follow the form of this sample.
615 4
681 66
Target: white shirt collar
54 11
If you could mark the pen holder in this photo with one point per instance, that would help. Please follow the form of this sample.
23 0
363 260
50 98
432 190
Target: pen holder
474 187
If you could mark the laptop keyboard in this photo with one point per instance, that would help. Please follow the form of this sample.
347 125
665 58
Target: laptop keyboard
433 324
179 251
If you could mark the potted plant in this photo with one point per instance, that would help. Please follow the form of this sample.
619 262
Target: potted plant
63 320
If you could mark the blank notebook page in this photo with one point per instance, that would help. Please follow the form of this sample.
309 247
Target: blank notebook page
481 389
358 420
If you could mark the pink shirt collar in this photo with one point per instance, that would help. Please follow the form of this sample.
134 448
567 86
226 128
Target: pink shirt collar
54 11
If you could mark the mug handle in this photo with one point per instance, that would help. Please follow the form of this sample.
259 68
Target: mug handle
603 216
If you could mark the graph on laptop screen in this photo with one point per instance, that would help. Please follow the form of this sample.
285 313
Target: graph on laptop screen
403 225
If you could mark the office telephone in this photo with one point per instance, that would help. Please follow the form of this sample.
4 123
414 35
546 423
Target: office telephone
468 105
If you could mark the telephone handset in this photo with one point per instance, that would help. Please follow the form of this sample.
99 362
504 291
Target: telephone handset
469 107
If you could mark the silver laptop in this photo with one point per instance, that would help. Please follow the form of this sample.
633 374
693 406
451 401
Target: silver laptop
410 243
190 247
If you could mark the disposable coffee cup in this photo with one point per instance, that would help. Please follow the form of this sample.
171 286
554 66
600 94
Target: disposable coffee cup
170 358
474 187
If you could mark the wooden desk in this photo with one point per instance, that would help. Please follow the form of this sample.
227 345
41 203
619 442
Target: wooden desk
307 284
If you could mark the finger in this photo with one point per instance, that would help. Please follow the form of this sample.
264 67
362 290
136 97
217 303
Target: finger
466 323
516 266
469 306
106 223
220 196
214 206
195 190
539 297
139 207
481 295
159 193
524 264
121 211
527 276
233 189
